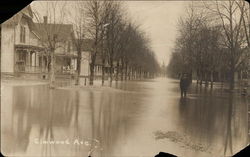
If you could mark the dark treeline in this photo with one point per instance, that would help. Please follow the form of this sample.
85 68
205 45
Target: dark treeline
213 42
123 48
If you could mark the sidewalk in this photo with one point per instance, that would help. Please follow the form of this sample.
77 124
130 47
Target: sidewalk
238 87
59 82
22 82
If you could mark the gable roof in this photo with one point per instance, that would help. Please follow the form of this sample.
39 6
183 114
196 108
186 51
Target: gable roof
15 19
44 30
86 45
27 11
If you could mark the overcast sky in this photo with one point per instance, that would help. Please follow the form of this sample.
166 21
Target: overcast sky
157 18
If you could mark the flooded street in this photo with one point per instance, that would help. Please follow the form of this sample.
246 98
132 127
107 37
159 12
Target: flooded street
133 118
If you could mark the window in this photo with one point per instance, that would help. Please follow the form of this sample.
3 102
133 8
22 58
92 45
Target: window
22 34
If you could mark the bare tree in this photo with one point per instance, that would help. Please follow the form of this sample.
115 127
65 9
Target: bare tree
49 28
198 46
245 13
114 18
94 11
79 31
231 18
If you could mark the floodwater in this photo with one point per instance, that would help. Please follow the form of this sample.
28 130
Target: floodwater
134 118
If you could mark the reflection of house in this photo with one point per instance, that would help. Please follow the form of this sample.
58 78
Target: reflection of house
20 50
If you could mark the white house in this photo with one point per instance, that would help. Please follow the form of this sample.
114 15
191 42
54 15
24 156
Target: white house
24 50
20 48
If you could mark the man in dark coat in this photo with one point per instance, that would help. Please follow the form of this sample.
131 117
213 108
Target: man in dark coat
184 83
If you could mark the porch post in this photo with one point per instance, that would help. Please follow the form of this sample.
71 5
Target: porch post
33 59
28 59
15 60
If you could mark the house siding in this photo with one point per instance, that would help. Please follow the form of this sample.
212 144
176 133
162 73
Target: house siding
7 48
85 63
23 23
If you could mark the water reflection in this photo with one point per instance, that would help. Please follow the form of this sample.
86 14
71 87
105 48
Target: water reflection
217 120
22 125
228 134
113 122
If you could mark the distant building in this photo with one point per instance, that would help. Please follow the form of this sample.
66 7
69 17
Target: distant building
86 56
86 60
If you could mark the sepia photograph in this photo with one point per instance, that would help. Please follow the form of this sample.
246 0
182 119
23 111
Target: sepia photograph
110 78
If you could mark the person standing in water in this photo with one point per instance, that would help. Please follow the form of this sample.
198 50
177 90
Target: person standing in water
184 82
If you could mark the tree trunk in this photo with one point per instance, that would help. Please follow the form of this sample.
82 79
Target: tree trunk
103 71
92 69
111 71
201 77
136 73
78 68
132 73
91 77
197 76
48 63
52 70
126 71
140 73
232 81
129 73
117 71
122 70
222 80
206 79
212 79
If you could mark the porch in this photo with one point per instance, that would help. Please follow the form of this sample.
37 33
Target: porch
29 59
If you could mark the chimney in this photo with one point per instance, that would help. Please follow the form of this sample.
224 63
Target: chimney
45 19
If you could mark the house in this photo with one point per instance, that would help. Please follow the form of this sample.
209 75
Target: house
65 56
26 49
20 48
85 56
24 45
86 60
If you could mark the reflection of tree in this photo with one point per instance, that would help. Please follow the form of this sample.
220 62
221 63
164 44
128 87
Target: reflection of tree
76 134
38 105
47 132
200 117
91 103
22 110
101 127
228 138
107 117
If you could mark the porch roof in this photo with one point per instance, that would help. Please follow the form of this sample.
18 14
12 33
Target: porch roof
28 47
65 55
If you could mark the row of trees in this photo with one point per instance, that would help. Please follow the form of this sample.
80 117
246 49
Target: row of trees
213 41
120 44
